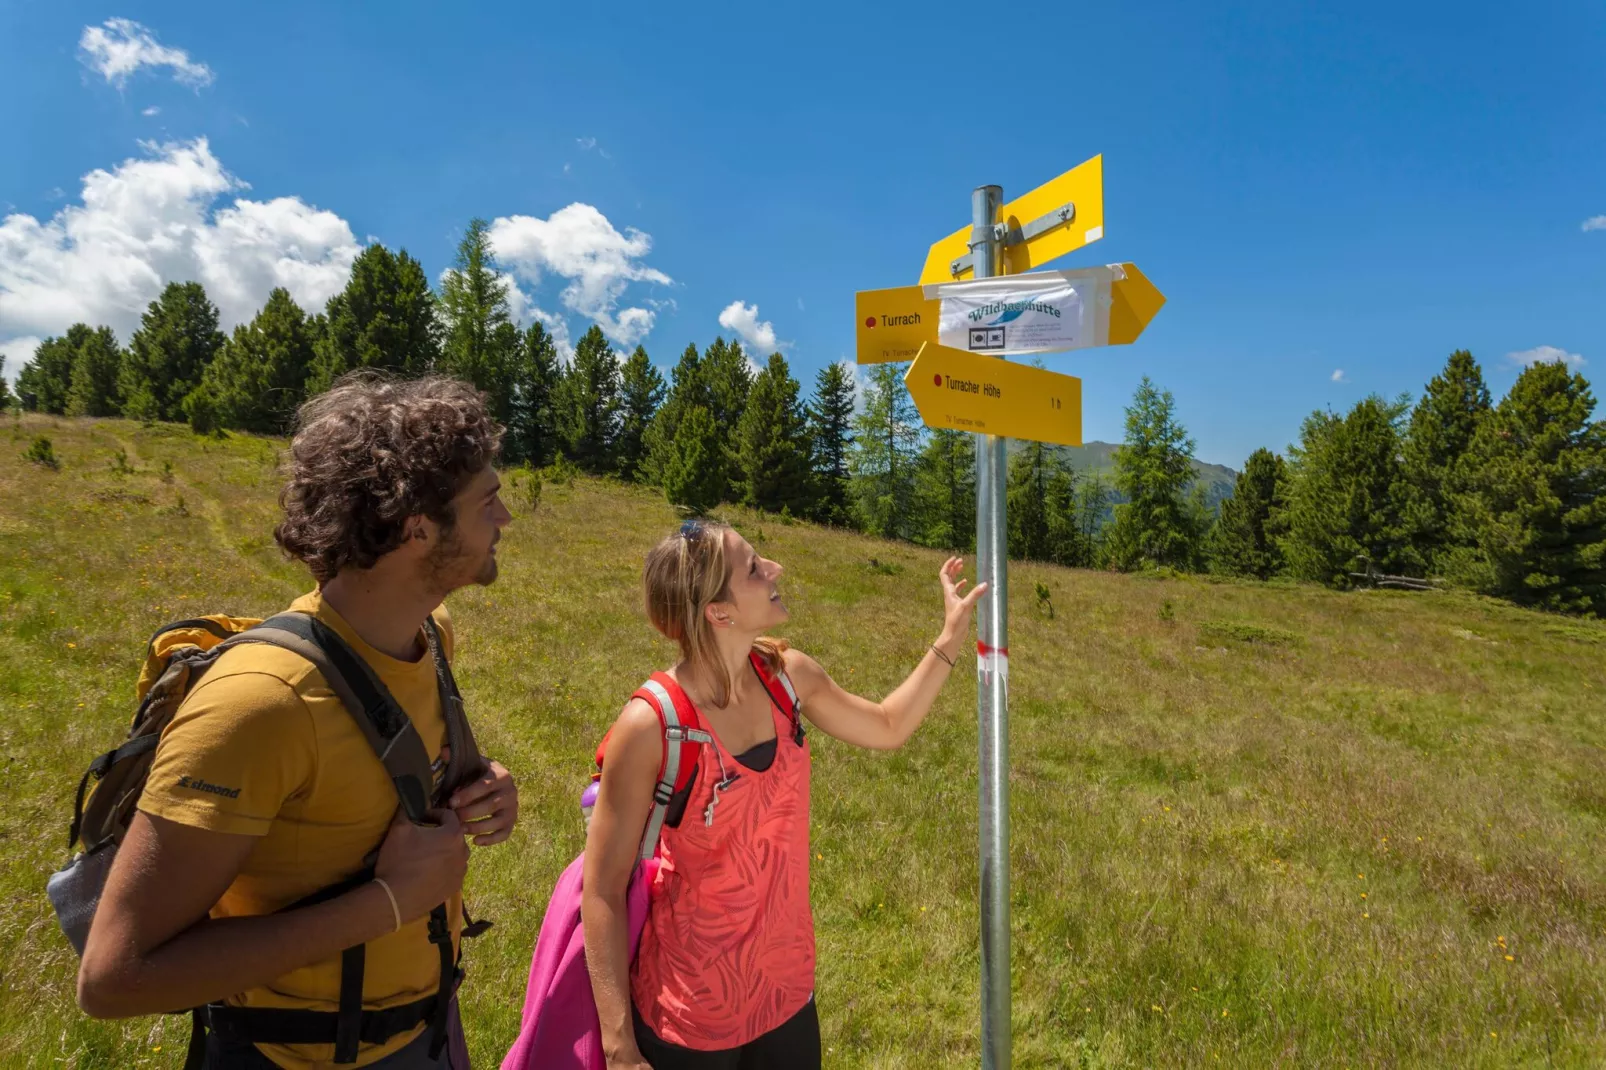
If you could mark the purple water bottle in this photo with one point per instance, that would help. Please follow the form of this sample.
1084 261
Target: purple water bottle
588 799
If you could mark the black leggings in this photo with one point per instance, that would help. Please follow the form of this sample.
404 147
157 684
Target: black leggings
792 1045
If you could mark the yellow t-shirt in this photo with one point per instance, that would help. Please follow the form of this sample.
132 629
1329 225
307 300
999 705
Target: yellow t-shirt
263 747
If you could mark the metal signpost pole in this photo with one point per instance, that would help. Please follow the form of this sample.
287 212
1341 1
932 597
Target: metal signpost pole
992 685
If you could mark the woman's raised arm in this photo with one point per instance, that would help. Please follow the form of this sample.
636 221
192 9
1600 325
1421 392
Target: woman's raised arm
888 724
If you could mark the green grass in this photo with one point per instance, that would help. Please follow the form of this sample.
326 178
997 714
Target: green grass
1202 794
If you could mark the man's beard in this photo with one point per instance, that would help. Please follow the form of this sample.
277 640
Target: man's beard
446 566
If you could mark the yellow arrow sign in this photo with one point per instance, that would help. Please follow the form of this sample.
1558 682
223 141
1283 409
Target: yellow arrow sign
892 324
968 392
1081 187
1133 303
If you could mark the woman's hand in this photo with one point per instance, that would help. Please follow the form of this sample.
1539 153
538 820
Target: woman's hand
957 606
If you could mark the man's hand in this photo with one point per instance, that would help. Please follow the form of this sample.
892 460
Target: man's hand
423 864
488 807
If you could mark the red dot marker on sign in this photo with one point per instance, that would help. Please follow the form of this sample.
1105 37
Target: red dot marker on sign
937 379
870 322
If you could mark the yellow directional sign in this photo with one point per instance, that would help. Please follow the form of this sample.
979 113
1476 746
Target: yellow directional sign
892 324
969 392
1133 303
1035 219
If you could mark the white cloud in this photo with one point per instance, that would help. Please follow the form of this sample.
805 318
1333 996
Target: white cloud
15 353
1545 355
519 304
1338 376
1597 222
120 47
154 220
150 111
759 335
586 143
578 243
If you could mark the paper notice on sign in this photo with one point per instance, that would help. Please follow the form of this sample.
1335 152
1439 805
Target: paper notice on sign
1010 315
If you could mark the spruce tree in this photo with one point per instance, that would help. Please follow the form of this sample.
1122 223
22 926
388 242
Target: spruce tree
480 340
258 379
177 338
641 391
385 318
1153 469
729 378
1026 504
883 459
688 387
1442 426
1240 543
1530 502
587 404
1040 502
694 468
1342 515
96 365
1092 507
532 433
830 414
1065 543
7 399
945 490
772 444
46 381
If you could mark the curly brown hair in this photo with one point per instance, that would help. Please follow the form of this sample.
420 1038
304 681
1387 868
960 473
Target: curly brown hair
372 451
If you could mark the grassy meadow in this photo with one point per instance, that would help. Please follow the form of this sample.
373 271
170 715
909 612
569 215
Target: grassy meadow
1253 824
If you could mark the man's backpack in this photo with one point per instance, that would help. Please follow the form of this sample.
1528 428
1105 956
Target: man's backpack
177 658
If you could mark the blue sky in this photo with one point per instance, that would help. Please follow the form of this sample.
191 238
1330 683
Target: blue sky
1362 189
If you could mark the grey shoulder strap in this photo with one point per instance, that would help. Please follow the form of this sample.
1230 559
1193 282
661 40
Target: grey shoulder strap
466 762
379 716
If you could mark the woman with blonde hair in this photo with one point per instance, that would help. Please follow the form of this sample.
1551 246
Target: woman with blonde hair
724 974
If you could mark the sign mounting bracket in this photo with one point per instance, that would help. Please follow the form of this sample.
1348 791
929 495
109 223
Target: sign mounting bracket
1007 236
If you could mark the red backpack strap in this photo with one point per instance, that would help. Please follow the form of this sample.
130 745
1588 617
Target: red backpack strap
782 693
683 731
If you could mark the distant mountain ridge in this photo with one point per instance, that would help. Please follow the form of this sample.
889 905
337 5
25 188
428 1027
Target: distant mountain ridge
1098 458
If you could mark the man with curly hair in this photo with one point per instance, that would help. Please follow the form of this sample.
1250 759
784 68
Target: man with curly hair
232 890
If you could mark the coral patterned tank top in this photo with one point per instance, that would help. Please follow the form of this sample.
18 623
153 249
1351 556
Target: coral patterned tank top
728 951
